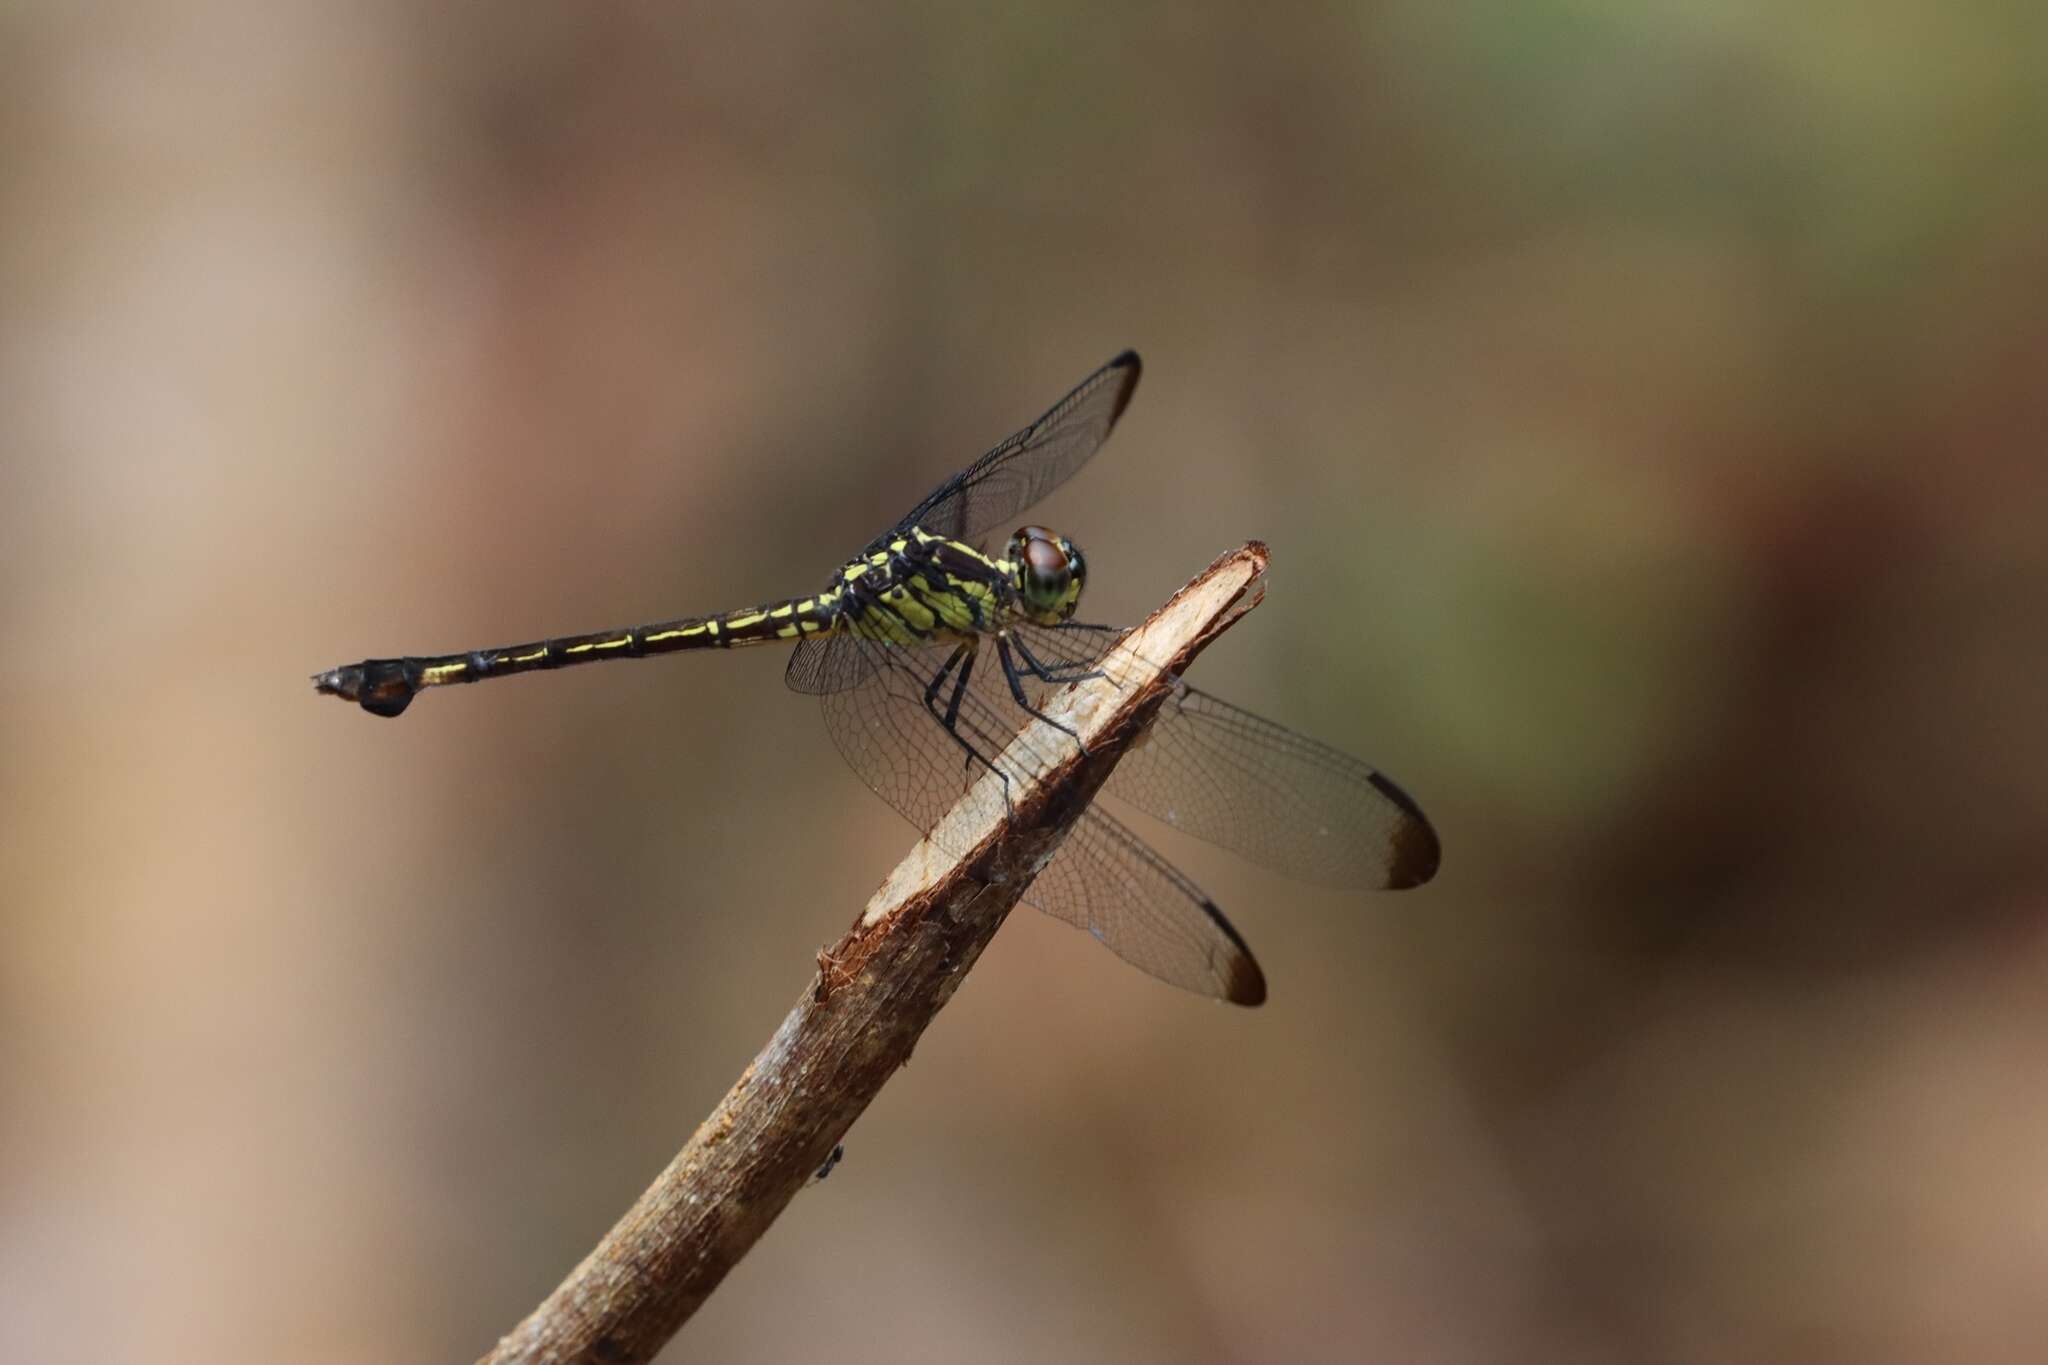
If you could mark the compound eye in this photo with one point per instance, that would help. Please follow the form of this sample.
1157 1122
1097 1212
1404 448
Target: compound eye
1045 574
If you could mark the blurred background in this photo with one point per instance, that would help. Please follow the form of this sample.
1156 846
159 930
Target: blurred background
1644 406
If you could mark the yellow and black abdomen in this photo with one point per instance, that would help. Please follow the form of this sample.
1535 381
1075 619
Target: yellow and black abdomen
916 589
385 687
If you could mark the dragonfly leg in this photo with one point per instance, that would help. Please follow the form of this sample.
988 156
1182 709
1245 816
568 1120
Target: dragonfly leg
961 658
952 716
1023 702
931 691
1052 675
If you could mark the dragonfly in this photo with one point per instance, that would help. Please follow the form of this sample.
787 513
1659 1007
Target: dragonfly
931 656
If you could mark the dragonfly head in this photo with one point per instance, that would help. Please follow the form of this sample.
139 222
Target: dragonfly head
1050 572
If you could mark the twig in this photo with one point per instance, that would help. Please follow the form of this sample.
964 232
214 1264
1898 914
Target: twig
875 992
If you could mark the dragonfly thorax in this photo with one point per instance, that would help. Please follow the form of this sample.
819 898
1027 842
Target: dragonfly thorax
1049 573
920 587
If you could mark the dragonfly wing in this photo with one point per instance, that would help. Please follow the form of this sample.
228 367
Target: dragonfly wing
1108 881
828 663
1038 459
1104 878
892 736
1283 800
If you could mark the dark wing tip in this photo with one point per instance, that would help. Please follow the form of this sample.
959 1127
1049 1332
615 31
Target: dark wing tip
1247 984
1133 368
1416 856
1243 982
1413 852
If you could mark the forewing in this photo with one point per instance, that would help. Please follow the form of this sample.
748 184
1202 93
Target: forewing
1283 800
1028 466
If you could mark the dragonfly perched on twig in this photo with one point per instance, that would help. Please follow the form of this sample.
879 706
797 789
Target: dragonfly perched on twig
930 656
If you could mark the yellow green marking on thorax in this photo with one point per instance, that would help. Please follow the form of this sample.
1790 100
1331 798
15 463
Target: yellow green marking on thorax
918 587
